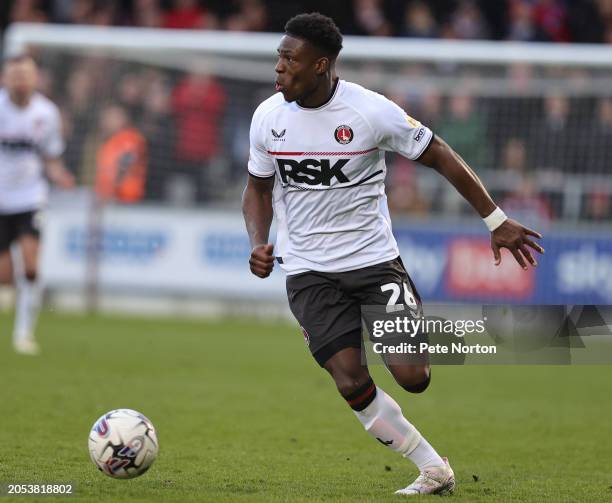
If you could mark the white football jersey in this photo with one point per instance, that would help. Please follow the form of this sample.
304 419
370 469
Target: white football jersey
329 195
27 137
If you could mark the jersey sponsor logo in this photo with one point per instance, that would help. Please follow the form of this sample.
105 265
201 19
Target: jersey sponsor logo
17 144
278 136
419 136
312 171
343 134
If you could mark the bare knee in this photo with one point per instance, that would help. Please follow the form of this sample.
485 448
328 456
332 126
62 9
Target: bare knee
349 381
31 274
413 378
347 371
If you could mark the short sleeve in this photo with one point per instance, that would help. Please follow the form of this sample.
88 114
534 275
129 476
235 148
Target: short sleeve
261 163
52 143
396 131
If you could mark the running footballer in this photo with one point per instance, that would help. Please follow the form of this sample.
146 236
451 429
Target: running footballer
317 164
31 145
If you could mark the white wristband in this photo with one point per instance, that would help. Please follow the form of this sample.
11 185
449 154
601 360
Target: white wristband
495 219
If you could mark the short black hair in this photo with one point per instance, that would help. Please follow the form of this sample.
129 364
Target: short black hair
319 30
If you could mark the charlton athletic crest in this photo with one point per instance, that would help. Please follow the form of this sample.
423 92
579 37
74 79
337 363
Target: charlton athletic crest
343 134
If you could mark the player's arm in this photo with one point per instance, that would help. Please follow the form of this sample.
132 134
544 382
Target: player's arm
51 149
58 174
258 213
510 234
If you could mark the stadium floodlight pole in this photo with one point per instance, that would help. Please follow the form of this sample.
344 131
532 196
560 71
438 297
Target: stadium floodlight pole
19 35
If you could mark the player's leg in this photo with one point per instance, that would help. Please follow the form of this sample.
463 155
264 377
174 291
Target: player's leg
331 323
413 377
413 373
371 287
382 417
7 235
6 267
6 277
379 414
28 290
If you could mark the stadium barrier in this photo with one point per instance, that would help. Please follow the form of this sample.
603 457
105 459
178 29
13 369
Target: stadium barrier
182 252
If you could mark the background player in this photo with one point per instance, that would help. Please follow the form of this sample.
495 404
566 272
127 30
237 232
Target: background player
30 147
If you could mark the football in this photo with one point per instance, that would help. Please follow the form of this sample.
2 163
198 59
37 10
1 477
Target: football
123 444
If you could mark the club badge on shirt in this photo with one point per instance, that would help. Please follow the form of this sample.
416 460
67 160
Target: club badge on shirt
343 134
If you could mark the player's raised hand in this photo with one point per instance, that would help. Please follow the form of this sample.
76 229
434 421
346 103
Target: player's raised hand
515 237
262 260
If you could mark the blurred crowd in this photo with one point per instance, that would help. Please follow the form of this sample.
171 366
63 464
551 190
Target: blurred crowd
533 152
140 132
524 20
182 137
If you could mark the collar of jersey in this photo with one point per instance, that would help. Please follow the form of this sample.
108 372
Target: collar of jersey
331 98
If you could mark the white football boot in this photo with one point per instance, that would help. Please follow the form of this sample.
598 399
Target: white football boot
439 481
26 346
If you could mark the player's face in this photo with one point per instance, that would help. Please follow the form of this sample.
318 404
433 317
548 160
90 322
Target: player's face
296 70
20 77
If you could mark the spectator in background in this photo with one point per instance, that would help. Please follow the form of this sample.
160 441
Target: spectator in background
188 14
550 18
78 115
130 90
507 114
403 193
106 14
607 35
419 21
81 11
585 23
121 160
522 198
146 14
370 18
157 126
604 8
89 12
597 143
514 158
467 21
521 26
251 15
430 110
513 169
527 204
465 130
553 144
598 206
28 11
60 11
538 20
198 103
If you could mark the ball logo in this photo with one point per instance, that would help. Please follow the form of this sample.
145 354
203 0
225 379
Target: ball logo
132 449
343 134
102 427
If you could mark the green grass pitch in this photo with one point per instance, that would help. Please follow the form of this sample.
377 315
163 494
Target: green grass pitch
244 414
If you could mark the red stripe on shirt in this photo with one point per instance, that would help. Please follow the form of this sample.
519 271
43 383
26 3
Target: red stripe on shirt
358 152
